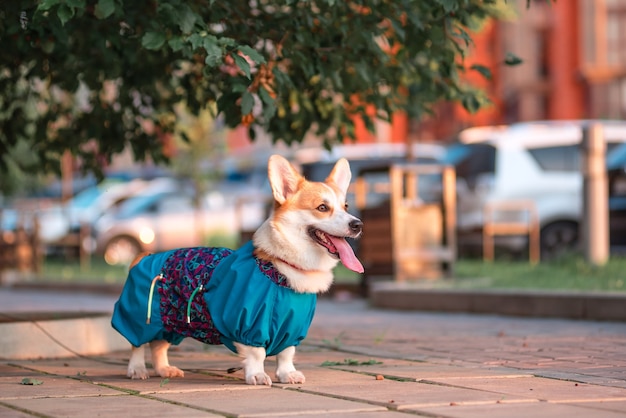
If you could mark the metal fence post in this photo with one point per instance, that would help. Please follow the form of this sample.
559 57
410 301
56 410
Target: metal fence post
595 219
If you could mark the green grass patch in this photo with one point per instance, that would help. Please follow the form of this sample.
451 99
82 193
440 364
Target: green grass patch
345 275
95 271
568 273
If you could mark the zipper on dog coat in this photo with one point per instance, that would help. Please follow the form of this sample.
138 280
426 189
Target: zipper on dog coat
193 295
149 313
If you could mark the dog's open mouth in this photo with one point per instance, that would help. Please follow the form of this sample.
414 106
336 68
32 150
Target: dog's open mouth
338 247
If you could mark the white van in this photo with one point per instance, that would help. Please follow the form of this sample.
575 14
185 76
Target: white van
530 161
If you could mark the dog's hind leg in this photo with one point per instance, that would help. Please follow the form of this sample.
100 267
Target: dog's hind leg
253 368
160 361
285 370
137 364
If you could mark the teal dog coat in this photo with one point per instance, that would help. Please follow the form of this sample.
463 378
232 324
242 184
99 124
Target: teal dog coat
214 295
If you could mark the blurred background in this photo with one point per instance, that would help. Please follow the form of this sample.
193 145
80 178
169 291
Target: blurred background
523 149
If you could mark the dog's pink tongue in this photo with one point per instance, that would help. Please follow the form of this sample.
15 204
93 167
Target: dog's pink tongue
346 255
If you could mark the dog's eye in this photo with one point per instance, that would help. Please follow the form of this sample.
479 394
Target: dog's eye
322 208
345 206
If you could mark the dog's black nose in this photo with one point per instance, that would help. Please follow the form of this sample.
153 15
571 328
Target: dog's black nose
356 226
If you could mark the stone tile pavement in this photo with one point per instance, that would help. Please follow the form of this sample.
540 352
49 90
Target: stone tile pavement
359 362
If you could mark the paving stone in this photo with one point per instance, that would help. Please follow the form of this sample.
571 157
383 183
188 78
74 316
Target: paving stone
190 383
343 414
426 371
114 369
115 377
574 376
11 388
397 395
539 388
269 402
6 412
516 410
7 370
605 405
107 407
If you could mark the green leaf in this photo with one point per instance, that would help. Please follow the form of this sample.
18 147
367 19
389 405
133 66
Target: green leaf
196 40
247 103
239 87
265 96
47 47
47 4
269 110
153 40
186 19
269 104
76 3
104 8
252 53
242 63
448 5
65 13
176 43
470 103
464 35
214 56
512 59
31 381
486 72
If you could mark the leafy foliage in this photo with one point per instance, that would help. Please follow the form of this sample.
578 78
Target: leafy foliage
31 381
96 76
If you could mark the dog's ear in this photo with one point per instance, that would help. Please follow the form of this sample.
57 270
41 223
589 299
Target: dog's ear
341 175
284 179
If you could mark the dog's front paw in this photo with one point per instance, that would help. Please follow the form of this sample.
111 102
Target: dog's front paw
138 372
170 371
260 378
292 377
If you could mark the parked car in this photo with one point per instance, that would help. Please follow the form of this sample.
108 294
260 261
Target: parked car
92 203
532 161
56 220
373 162
616 169
51 220
163 218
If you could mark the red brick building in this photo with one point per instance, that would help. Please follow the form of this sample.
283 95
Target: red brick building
574 66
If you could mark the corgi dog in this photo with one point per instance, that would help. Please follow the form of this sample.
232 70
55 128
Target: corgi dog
258 300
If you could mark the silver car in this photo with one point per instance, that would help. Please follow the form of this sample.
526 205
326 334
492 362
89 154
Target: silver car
172 217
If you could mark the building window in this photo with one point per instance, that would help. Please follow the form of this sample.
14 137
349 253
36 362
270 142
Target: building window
615 32
603 35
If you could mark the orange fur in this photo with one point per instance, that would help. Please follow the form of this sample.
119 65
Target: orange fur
138 258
